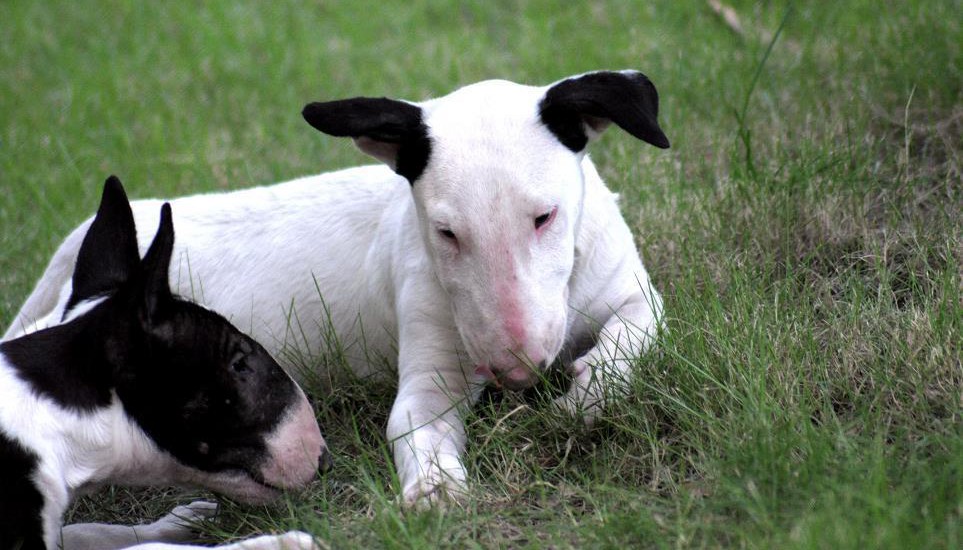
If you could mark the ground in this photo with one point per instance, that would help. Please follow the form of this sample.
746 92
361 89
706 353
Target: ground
805 228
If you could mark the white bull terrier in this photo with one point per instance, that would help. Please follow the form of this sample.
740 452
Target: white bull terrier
137 386
486 250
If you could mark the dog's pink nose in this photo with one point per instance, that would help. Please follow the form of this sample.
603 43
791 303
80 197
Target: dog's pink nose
296 449
325 462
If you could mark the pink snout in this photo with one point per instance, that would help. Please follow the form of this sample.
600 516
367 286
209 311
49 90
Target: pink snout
296 449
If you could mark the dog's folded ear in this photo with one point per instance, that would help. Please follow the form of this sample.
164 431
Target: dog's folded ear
155 269
578 109
108 255
392 131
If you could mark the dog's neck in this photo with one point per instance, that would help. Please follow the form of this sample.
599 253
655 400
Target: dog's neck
63 430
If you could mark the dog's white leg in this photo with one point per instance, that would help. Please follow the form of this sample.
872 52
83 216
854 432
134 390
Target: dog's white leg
425 428
292 540
428 436
174 527
605 371
614 299
168 532
620 298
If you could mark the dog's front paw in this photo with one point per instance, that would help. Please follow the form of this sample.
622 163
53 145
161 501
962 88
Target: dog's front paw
438 489
193 513
585 398
179 524
429 468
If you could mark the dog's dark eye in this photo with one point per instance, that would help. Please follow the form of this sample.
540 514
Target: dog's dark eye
544 219
240 364
448 234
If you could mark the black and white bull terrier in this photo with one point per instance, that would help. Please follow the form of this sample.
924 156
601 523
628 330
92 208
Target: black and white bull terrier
136 386
487 251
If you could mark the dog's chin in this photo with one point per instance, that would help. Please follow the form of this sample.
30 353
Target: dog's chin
242 487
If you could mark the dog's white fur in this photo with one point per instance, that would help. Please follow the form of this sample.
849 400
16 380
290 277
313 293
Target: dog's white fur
499 301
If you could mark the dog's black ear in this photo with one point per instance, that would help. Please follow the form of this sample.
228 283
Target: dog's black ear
108 255
392 131
579 108
155 269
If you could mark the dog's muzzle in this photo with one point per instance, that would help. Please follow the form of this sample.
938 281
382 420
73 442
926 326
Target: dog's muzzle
296 449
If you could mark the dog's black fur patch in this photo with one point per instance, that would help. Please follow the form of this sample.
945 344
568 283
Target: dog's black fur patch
627 99
205 393
380 119
64 363
20 502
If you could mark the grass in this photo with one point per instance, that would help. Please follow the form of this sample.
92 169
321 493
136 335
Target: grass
805 229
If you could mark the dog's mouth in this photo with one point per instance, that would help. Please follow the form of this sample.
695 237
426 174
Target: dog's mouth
486 373
515 379
244 486
258 479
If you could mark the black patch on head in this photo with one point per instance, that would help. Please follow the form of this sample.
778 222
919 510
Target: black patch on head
108 255
203 391
66 362
388 121
21 503
627 99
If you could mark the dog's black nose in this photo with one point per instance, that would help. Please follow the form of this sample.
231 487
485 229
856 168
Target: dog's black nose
325 461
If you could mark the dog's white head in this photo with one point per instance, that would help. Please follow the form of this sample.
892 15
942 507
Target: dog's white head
495 170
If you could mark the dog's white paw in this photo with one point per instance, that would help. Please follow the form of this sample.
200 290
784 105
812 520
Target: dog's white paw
430 469
434 491
195 512
585 397
179 524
